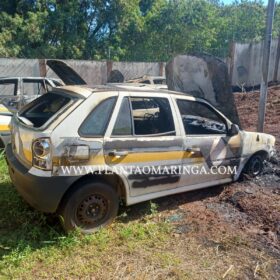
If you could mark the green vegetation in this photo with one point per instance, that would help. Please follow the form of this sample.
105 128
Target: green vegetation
135 30
29 238
143 243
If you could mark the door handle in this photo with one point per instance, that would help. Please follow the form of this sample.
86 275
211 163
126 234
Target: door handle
192 149
118 154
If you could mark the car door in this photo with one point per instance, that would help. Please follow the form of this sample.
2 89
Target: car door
143 140
9 93
213 152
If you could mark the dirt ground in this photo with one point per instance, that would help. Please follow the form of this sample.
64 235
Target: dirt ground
247 105
241 218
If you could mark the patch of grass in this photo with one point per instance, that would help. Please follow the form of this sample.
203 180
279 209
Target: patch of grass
30 239
166 259
140 245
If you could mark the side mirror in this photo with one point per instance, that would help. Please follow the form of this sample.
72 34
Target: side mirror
234 129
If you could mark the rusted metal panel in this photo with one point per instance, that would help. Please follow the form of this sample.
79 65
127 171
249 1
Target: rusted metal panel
42 67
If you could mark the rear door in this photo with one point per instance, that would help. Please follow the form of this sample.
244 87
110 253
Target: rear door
145 141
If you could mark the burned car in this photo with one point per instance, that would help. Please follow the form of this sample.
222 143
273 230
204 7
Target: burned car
15 92
78 151
18 91
158 82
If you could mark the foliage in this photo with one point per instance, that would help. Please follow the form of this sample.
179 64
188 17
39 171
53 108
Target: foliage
139 30
28 237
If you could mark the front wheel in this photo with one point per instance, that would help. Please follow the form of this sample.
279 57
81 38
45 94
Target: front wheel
255 166
91 206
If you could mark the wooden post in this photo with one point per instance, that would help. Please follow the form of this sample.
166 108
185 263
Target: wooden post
109 64
161 66
42 67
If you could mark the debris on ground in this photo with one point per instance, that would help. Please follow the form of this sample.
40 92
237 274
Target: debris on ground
249 208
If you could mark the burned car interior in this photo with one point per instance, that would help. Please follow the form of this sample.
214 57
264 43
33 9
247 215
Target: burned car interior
43 108
152 116
198 118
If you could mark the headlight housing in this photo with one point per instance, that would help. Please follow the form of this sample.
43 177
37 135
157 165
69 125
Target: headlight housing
41 154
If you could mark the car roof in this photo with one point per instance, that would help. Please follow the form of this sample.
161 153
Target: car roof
86 91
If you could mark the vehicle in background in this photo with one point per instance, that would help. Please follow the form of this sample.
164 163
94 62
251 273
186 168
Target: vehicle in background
15 92
5 119
18 91
158 82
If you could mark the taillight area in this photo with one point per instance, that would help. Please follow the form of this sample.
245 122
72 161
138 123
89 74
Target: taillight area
41 154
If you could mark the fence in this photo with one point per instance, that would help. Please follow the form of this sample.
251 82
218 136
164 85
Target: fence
93 72
245 64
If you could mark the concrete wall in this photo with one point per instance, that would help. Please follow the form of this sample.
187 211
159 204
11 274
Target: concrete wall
93 72
132 70
245 64
19 67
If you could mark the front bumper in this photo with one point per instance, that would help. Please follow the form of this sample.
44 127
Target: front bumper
42 193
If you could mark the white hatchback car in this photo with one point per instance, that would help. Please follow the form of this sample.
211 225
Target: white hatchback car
75 150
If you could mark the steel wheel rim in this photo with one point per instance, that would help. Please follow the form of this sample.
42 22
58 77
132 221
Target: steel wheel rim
92 211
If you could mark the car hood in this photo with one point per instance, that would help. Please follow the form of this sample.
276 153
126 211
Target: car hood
65 72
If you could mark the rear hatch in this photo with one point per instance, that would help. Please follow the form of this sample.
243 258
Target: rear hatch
65 72
35 120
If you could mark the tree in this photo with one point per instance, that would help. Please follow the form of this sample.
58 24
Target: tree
139 30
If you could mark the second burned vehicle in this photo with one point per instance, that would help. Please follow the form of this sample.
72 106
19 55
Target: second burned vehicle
158 82
64 143
15 92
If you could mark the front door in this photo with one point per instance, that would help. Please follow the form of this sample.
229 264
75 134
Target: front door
213 153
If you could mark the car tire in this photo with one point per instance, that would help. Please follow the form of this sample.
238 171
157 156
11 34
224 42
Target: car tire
254 166
89 207
2 145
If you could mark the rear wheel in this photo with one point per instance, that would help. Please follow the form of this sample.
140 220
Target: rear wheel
255 166
91 206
